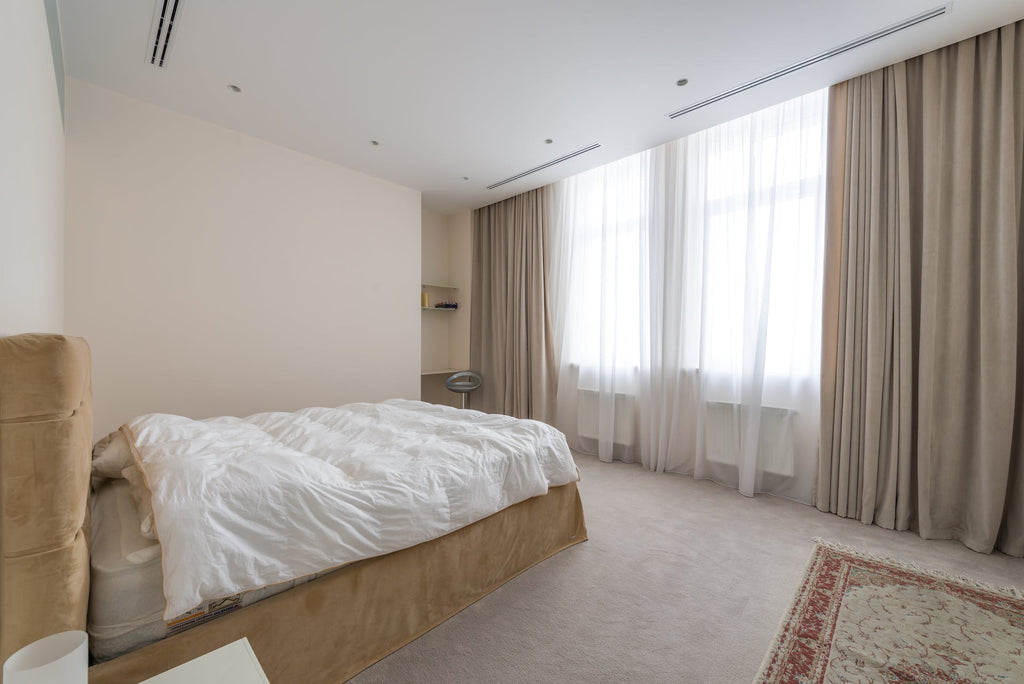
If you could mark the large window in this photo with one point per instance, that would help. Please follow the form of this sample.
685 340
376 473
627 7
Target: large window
763 222
606 216
690 274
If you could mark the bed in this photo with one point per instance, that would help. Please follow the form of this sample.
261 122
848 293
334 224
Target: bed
325 630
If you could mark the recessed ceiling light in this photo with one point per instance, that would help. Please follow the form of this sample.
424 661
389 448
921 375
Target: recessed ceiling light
233 88
374 143
682 82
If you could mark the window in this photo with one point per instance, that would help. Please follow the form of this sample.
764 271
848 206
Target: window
687 285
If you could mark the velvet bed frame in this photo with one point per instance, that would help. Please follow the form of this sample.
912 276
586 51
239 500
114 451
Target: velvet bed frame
324 631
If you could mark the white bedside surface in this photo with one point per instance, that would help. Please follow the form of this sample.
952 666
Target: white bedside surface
231 664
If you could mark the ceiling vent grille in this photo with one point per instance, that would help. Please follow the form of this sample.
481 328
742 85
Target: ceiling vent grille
845 47
545 165
162 33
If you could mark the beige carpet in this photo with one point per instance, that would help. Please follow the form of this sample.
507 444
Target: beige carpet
681 581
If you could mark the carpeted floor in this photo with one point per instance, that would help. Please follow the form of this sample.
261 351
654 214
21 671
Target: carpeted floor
681 581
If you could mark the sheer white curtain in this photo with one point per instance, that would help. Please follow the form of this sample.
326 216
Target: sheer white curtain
686 290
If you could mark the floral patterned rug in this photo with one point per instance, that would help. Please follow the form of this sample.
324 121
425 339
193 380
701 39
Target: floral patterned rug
860 618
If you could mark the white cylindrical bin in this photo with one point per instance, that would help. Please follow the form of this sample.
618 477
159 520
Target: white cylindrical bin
57 659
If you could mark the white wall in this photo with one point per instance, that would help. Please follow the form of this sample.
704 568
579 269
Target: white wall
216 274
31 175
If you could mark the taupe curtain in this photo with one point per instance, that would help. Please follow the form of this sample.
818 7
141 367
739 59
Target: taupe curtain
510 340
923 359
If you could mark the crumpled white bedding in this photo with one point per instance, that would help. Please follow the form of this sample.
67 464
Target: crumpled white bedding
243 503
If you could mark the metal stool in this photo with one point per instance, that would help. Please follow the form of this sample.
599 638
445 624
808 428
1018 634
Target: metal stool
463 383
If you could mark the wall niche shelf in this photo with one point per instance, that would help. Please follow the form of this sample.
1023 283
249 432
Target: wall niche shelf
445 278
426 296
440 371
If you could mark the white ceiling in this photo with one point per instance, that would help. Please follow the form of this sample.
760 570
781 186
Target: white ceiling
454 88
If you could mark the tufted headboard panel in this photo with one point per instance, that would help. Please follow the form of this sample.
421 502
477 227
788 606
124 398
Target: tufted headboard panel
45 445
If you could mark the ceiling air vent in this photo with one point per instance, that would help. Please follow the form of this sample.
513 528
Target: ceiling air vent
820 57
545 165
160 36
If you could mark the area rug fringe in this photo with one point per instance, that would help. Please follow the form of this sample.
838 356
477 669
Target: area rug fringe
793 603
1012 592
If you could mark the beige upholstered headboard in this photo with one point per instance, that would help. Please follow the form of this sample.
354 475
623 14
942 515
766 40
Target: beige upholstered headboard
45 445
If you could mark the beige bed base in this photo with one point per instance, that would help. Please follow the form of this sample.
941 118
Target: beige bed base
324 631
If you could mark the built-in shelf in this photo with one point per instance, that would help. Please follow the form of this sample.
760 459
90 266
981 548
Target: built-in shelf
440 283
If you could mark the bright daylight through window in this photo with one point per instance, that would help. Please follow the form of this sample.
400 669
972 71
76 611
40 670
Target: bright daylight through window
688 278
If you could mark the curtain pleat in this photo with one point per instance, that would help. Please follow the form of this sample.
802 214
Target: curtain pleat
832 476
510 331
923 344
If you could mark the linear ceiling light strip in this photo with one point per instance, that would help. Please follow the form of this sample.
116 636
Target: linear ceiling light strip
845 47
162 33
159 32
170 27
545 165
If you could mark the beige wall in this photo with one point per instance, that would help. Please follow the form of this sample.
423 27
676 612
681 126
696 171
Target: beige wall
434 258
447 258
31 175
213 273
460 268
434 264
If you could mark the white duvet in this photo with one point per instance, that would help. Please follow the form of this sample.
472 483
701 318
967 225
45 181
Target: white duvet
243 503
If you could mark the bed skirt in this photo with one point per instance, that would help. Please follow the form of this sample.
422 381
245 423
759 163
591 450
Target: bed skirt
329 629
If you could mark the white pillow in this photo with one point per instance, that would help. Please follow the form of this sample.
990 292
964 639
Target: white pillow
110 456
112 460
143 500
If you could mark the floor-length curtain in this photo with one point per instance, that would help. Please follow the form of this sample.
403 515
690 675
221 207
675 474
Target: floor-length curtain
687 280
923 401
510 336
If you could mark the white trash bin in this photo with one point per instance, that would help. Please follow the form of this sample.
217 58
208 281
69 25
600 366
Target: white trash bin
61 658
